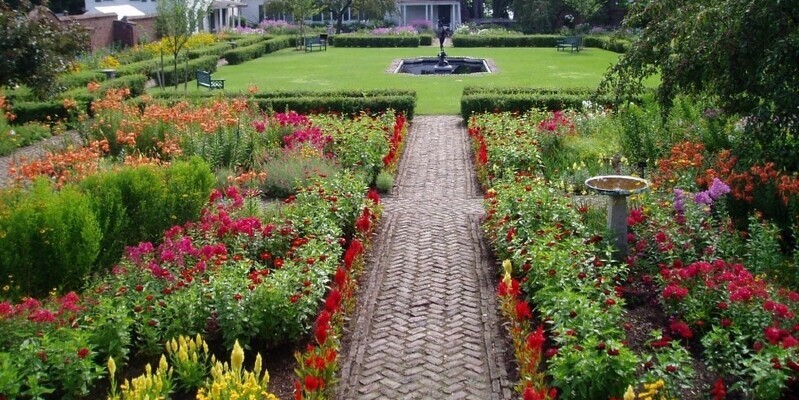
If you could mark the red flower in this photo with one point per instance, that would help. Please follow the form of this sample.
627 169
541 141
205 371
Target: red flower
321 334
523 310
311 383
363 224
719 392
773 335
82 353
535 340
333 301
789 341
726 322
340 277
373 196
530 394
671 369
682 329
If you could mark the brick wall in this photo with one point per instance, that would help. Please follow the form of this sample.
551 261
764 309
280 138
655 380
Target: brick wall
105 30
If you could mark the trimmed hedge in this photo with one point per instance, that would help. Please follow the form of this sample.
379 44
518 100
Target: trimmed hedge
214 50
247 40
505 40
305 101
205 63
376 41
602 42
477 100
79 79
425 40
28 111
242 54
607 43
344 105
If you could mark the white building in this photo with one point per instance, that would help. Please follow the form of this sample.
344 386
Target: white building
223 13
226 13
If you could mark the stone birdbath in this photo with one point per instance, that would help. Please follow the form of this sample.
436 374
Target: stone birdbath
617 187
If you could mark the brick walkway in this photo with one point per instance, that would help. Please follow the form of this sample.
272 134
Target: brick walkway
427 325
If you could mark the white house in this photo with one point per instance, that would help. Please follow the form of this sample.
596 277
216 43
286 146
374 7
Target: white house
226 13
223 13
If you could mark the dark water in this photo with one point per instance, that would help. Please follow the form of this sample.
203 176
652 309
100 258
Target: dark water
428 66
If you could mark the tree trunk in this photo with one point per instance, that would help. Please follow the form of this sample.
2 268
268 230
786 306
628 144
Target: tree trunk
339 16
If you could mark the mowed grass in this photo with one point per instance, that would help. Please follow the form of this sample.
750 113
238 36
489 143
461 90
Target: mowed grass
357 68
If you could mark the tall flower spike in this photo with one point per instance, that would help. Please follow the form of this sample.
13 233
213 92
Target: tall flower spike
630 393
237 358
112 367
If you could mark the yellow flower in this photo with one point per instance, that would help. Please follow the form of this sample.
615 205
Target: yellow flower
112 366
630 393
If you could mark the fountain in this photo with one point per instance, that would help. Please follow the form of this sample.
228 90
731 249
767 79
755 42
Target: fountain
617 187
442 64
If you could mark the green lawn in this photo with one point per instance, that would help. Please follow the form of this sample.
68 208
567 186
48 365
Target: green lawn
348 68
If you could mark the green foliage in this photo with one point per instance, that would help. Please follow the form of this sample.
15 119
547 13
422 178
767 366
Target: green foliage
477 100
214 50
384 182
357 40
27 111
12 138
740 52
35 48
136 204
289 170
507 40
185 71
48 239
241 54
79 79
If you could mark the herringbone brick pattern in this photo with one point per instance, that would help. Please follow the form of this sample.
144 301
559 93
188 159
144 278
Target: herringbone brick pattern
427 324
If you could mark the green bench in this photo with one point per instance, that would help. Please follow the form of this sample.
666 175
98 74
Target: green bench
315 43
573 43
204 80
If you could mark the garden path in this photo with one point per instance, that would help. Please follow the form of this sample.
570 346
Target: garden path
34 152
427 324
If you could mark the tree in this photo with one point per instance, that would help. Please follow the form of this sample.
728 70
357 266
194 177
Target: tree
300 10
176 21
586 8
742 53
536 16
375 8
36 48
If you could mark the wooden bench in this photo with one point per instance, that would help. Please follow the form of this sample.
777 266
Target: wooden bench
315 43
204 80
573 43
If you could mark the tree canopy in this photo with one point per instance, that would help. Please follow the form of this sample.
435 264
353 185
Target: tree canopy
36 48
742 53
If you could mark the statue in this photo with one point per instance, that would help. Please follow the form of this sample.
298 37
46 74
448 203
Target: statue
442 34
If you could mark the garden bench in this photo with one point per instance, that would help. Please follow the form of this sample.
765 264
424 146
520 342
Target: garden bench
315 42
573 43
204 80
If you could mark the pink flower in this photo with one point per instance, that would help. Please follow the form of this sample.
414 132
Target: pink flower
6 309
42 315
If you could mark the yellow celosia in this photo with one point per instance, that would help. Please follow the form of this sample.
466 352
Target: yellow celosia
112 366
232 381
630 393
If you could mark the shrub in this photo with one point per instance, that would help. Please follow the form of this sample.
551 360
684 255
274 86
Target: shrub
288 170
22 135
476 100
27 111
376 41
186 72
50 238
384 182
136 204
79 79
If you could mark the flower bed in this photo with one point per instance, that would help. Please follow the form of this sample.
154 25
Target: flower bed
236 275
568 302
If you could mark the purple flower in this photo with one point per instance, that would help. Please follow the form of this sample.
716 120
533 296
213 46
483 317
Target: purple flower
679 201
703 198
718 189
